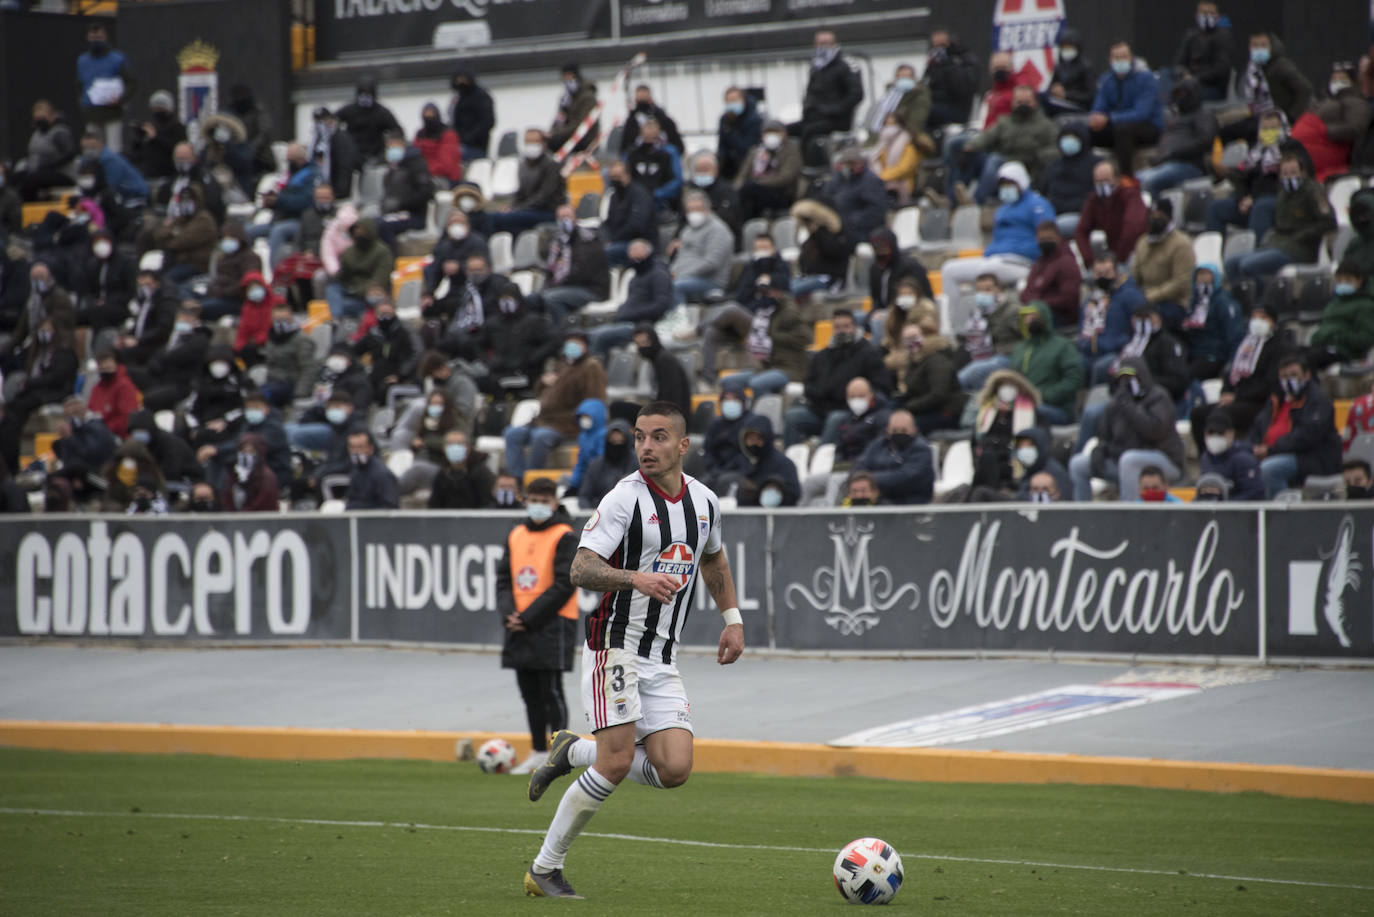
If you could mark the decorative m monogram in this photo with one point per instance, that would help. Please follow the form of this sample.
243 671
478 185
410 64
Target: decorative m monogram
852 592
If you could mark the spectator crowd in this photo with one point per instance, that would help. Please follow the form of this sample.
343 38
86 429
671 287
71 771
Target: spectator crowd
1131 278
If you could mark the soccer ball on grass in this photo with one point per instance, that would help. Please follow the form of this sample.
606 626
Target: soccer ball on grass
496 756
868 871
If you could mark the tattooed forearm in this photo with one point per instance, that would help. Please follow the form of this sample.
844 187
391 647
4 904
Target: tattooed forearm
590 571
715 572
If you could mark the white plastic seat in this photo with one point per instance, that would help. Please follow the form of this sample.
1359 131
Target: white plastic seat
524 413
501 246
823 459
479 173
505 176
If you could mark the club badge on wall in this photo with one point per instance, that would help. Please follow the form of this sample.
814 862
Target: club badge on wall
198 84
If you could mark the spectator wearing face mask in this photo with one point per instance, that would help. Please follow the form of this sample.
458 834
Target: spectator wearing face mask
390 350
1116 208
1154 488
770 480
52 152
705 175
83 441
516 341
1215 324
858 195
324 428
702 253
47 301
991 333
371 485
1294 435
1050 363
905 104
1127 113
933 393
576 270
188 237
471 113
895 160
1211 488
1360 249
457 244
1026 136
848 356
1269 81
204 498
1206 51
1072 86
901 329
1346 332
772 332
1184 146
167 376
824 258
463 303
722 454
591 438
1135 431
739 130
215 410
616 461
670 377
1249 377
1105 319
171 453
1006 403
1330 131
464 481
46 369
423 431
250 486
1359 479
255 318
1164 263
1034 454
1229 458
1302 217
861 491
133 481
290 358
657 164
438 144
261 421
900 462
364 263
1255 182
541 191
865 420
106 81
952 75
1013 247
407 190
334 151
575 378
105 282
648 298
1067 179
834 90
1055 278
233 258
367 120
114 396
629 215
575 105
506 492
890 267
767 178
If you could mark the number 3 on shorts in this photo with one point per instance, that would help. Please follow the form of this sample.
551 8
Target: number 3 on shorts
617 678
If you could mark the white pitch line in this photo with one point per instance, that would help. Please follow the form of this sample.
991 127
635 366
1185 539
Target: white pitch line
339 823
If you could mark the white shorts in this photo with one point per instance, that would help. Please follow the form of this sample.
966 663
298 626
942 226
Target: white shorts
620 687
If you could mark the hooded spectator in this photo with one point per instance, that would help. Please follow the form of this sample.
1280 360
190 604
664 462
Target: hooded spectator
858 195
952 76
1214 325
767 177
576 378
255 317
368 121
1185 145
648 298
261 421
1067 180
114 396
517 340
168 451
900 462
890 267
250 487
670 378
739 131
335 152
407 190
1049 362
606 470
1013 247
362 264
471 113
824 258
722 455
423 430
1136 430
1055 278
438 144
1164 263
769 469
1346 332
215 410
1072 86
1034 452
389 348
834 90
1330 131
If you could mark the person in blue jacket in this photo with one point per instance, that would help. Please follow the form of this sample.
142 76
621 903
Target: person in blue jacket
739 131
288 203
106 82
591 438
1128 112
1014 246
900 462
120 174
1105 320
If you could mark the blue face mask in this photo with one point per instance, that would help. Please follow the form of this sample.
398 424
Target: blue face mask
986 301
702 180
457 453
143 436
573 350
905 84
434 410
539 512
1070 145
1259 56
335 416
1344 289
731 409
254 416
395 154
770 498
734 108
1121 67
1008 194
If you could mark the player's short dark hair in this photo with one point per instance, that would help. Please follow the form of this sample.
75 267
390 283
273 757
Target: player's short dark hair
664 409
542 487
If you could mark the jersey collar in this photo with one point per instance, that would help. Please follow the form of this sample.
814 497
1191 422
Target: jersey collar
663 493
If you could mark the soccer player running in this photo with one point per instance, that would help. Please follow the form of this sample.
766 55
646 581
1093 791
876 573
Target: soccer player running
642 549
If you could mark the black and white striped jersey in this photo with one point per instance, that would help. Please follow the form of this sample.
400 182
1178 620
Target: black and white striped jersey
639 527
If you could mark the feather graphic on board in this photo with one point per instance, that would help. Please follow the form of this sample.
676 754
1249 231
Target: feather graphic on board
1343 571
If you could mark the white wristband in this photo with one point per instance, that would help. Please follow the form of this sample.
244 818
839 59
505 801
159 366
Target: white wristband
731 616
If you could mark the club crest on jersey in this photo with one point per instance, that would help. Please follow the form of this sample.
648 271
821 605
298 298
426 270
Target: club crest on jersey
677 561
591 523
526 579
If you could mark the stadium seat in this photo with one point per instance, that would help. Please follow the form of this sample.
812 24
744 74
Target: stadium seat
589 207
1211 390
399 462
820 334
770 406
784 233
799 454
1238 242
478 172
906 226
553 474
581 184
1361 447
1207 248
823 459
1339 191
528 281
751 231
505 177
524 412
502 253
957 468
508 145
526 254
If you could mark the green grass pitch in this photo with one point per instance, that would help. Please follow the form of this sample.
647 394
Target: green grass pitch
377 837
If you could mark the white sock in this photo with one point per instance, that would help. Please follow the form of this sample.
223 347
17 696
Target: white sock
582 753
575 809
642 771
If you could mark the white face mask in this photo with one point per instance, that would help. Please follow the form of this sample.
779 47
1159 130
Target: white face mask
457 232
336 364
859 406
102 249
906 302
772 141
1027 455
467 203
1006 393
586 423
219 369
696 217
771 498
1259 327
1216 444
539 512
531 150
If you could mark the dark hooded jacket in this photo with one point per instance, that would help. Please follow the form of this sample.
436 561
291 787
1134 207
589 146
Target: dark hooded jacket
670 377
952 78
517 343
932 381
1076 76
258 493
722 452
1208 55
1044 461
471 112
408 186
1239 466
768 464
89 446
736 135
217 399
607 469
372 486
1290 90
833 367
1165 357
549 640
884 278
169 451
1146 422
832 94
904 476
1188 138
368 124
391 351
1066 181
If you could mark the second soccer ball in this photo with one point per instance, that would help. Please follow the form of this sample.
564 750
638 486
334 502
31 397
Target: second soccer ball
496 756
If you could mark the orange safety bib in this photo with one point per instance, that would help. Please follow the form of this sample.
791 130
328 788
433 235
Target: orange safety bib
531 565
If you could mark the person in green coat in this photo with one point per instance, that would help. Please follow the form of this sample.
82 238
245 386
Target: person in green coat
1346 332
1360 248
364 263
1050 362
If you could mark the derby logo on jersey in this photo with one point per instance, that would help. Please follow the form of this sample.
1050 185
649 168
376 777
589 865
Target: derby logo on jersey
676 561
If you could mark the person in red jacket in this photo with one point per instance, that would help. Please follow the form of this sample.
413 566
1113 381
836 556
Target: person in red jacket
1115 207
115 396
250 486
440 146
1055 277
255 319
